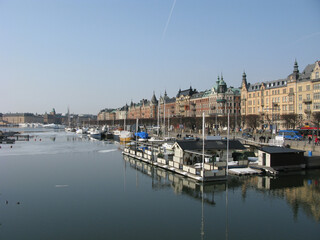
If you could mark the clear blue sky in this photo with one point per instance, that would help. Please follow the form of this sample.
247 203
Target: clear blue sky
91 55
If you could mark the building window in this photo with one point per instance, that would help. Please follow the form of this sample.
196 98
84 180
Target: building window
317 74
290 99
291 90
308 96
267 93
308 88
291 107
300 107
316 95
300 97
284 91
250 95
316 86
300 88
316 106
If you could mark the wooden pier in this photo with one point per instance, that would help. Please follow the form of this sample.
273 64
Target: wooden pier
6 140
244 171
20 137
267 170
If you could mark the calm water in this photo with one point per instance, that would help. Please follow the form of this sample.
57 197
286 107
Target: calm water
73 188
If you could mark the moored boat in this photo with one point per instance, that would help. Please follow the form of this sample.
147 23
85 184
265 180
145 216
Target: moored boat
116 135
96 134
125 136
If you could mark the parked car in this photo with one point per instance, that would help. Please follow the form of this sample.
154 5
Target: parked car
190 137
290 135
247 135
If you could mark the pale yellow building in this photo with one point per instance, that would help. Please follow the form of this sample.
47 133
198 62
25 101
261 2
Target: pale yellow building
299 93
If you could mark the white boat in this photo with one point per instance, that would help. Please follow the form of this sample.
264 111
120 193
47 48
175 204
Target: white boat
168 146
96 134
81 131
116 135
142 139
54 126
69 129
125 136
155 139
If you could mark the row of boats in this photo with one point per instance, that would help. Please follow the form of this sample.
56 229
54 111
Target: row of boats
121 135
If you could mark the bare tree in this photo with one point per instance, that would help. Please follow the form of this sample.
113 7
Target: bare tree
290 120
316 120
223 121
253 120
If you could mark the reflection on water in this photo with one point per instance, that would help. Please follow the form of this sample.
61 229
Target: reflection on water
301 190
162 179
82 189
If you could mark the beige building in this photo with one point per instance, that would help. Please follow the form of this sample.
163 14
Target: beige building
16 118
299 94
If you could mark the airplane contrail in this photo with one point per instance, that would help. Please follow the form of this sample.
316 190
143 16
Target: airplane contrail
305 37
168 21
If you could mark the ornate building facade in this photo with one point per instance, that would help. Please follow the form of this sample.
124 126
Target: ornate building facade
217 101
299 93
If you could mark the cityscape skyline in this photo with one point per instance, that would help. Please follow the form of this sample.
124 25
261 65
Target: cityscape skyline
103 54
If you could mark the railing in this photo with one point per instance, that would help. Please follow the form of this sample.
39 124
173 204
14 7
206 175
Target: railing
307 111
307 101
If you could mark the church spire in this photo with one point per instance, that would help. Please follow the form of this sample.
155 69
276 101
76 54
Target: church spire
295 67
244 80
295 70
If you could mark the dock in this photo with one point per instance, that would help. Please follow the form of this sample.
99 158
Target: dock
21 137
162 163
267 170
6 140
244 171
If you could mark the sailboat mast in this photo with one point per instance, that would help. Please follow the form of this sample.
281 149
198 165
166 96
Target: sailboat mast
164 116
228 142
202 146
158 117
168 122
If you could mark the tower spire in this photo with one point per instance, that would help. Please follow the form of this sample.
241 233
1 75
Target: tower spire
244 80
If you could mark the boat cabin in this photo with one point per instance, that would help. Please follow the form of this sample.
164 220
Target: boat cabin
280 158
190 152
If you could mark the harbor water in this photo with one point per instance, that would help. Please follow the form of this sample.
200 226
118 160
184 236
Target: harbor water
62 186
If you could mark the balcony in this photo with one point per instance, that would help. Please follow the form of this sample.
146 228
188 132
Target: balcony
221 100
307 101
307 111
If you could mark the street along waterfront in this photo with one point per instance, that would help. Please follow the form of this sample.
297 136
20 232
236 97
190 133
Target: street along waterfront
73 188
